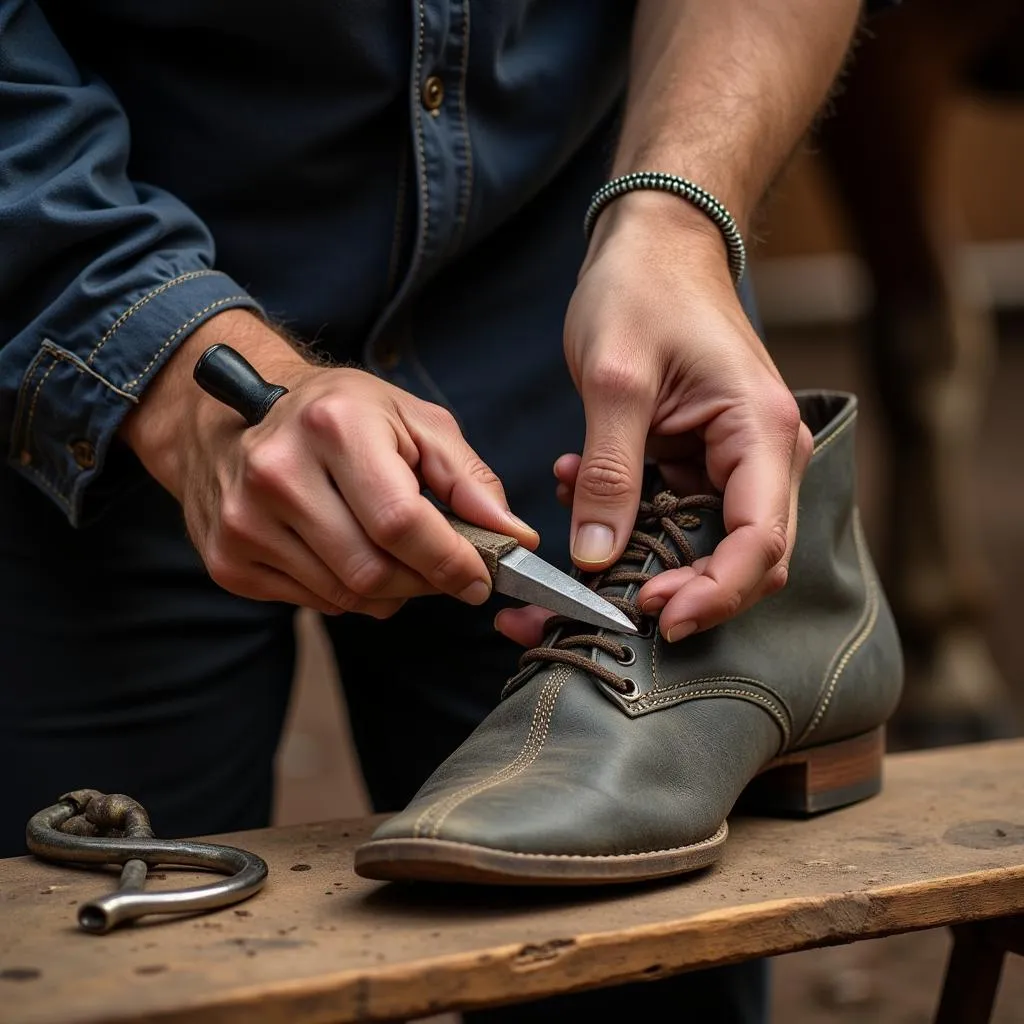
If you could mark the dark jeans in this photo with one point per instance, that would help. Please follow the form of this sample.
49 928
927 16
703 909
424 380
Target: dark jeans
124 668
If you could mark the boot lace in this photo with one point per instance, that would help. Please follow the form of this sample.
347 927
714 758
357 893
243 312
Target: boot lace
666 514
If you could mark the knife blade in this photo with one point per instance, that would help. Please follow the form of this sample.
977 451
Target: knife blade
517 572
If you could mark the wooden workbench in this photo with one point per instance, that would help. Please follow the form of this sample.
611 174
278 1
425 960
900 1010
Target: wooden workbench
943 844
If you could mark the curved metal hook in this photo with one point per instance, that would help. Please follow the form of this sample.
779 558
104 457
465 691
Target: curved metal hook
71 831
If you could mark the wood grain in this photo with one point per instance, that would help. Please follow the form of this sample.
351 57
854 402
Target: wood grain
942 843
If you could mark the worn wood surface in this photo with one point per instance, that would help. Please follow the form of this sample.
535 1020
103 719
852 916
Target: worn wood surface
943 843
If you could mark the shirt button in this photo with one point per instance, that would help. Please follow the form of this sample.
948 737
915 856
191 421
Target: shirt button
84 454
433 93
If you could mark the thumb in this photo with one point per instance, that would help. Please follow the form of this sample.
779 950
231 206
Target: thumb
610 475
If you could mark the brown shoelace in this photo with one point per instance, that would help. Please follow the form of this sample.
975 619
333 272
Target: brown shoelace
665 514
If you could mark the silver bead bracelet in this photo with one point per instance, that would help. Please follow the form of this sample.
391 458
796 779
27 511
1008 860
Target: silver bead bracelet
685 189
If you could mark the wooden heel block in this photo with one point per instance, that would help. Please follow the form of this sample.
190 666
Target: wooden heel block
817 779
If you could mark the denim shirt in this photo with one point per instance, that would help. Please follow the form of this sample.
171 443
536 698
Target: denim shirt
319 161
322 162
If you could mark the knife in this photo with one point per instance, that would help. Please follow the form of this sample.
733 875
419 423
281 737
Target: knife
227 375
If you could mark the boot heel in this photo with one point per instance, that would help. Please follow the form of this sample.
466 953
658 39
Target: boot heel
807 782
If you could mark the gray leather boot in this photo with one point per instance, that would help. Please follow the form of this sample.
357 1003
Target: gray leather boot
613 758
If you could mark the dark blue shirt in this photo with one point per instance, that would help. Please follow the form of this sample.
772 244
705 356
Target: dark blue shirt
327 162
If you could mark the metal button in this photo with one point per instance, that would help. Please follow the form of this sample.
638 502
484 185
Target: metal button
433 93
84 454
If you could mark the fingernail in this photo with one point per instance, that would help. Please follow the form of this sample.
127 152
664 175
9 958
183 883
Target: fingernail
476 593
652 605
682 629
516 521
593 543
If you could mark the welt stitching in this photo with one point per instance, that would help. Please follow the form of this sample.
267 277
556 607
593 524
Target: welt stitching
439 805
466 190
825 442
538 746
719 834
136 306
18 435
853 640
128 385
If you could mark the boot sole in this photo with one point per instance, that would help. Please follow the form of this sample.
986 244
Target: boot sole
803 783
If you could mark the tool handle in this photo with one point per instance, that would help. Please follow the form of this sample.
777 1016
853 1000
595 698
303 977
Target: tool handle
489 545
228 376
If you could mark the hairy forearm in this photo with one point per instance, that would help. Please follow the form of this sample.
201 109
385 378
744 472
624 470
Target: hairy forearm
720 92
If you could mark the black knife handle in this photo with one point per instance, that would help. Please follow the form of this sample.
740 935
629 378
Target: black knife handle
228 376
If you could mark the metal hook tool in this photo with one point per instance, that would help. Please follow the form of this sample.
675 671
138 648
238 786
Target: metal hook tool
87 827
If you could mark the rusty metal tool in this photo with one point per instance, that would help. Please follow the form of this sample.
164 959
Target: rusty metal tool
515 571
88 827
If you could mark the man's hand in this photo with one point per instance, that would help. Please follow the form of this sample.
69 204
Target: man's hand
669 366
320 504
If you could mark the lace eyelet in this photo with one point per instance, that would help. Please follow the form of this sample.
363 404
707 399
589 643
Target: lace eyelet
647 632
631 692
628 656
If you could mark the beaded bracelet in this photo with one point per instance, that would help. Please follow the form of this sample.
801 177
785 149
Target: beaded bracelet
683 188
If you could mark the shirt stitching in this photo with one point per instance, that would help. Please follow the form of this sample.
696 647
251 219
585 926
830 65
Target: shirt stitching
466 190
148 297
128 385
69 357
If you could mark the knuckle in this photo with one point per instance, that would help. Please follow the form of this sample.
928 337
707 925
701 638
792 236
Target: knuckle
321 416
731 602
482 473
225 571
605 476
343 599
804 447
618 377
368 575
777 579
776 541
267 467
784 415
450 573
394 521
235 524
439 418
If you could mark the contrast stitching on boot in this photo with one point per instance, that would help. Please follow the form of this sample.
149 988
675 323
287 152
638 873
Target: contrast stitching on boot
717 837
720 691
545 702
148 297
826 441
523 760
853 640
128 385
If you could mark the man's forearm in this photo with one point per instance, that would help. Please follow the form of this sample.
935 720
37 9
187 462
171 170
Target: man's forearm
721 92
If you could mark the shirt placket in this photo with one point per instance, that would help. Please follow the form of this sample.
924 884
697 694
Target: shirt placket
441 170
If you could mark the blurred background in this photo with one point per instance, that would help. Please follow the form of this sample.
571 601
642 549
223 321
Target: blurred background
889 262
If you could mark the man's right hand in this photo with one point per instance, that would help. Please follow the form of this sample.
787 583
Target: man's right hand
319 505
